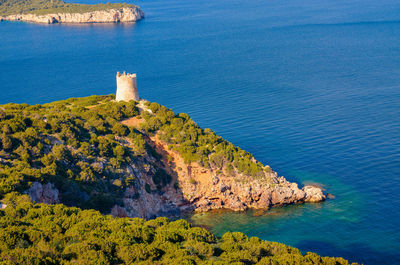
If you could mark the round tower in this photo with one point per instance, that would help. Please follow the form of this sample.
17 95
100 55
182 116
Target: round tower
126 87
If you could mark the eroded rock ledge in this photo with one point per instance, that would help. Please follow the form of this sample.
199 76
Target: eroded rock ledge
126 14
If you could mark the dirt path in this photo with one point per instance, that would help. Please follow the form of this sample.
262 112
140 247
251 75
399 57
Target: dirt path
133 122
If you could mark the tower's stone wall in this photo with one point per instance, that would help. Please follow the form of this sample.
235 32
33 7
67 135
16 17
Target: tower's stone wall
126 87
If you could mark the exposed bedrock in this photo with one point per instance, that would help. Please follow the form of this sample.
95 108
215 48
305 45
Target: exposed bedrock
199 189
44 193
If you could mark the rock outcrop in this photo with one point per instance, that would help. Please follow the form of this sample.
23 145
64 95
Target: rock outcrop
199 189
44 193
313 194
126 14
144 199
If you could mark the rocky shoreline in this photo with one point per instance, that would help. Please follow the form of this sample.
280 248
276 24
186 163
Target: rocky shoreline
202 189
125 14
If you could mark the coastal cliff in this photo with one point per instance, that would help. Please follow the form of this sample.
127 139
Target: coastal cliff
197 188
202 186
125 14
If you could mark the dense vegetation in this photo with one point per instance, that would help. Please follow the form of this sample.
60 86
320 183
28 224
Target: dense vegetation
81 150
41 7
56 234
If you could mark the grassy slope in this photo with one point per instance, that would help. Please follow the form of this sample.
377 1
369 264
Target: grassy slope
41 7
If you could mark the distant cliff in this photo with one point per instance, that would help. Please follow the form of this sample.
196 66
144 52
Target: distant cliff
50 12
127 14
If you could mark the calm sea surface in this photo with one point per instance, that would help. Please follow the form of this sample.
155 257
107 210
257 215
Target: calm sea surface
311 88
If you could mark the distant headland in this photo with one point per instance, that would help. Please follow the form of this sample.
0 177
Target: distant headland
57 11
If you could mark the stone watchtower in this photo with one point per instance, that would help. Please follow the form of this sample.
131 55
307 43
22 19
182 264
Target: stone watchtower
126 87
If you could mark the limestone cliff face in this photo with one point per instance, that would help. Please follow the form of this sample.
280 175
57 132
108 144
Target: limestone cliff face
126 14
143 199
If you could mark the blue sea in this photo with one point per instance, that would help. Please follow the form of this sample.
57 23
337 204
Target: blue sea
311 88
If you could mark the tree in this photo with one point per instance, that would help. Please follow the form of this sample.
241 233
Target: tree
6 142
119 153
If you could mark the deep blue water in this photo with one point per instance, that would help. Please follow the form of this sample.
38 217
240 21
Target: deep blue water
311 88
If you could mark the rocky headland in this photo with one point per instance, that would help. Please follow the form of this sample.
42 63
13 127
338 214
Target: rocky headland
132 159
200 189
125 14
164 184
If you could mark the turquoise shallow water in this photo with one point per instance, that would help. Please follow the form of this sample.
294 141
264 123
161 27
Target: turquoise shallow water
311 88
